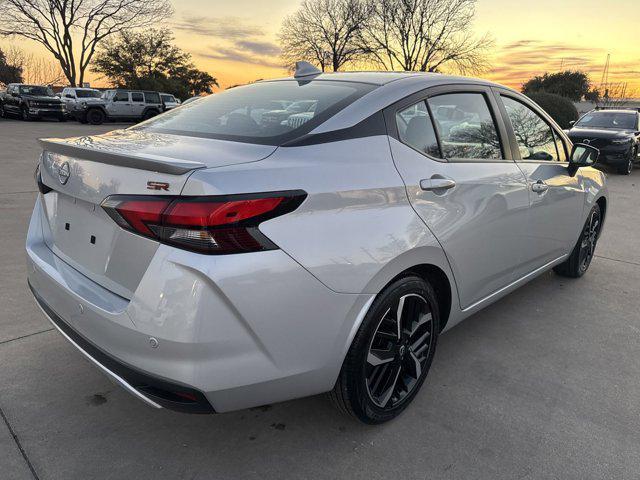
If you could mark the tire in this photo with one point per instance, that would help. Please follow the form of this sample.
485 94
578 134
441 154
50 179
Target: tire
95 116
62 119
149 114
2 112
24 115
627 168
377 388
582 254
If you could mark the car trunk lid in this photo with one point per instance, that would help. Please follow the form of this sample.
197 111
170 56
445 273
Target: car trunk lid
82 172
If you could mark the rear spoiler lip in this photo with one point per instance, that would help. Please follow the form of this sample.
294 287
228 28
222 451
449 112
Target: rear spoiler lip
151 163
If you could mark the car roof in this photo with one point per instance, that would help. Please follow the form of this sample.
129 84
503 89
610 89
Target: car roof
386 77
615 110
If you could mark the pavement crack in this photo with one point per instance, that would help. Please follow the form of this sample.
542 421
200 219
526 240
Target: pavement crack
19 445
618 260
26 336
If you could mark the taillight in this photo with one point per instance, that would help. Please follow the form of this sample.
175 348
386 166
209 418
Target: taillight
211 225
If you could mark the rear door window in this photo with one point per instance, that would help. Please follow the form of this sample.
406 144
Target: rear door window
269 113
137 97
465 126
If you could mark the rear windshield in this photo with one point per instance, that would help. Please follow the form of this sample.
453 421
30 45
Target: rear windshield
614 120
269 113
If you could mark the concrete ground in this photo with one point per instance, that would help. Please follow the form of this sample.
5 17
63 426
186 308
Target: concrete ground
544 384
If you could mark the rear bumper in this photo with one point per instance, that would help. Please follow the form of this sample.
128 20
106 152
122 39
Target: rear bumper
230 332
155 392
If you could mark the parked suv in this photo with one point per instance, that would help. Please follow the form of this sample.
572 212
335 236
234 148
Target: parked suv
132 104
615 132
209 260
30 102
85 105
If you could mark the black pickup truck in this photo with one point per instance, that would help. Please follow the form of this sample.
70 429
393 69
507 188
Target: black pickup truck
29 102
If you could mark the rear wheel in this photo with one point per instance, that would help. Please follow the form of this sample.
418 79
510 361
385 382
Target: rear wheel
2 112
95 116
391 354
149 114
578 262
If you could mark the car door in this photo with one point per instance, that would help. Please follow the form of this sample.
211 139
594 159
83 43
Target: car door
556 195
69 98
137 104
448 145
119 104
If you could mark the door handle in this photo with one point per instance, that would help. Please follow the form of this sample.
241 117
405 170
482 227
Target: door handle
539 187
432 184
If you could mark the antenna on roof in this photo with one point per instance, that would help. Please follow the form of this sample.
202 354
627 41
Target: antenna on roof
305 69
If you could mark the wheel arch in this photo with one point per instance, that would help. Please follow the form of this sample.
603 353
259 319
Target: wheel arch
439 280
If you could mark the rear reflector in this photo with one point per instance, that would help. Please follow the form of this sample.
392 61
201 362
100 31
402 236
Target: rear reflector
211 225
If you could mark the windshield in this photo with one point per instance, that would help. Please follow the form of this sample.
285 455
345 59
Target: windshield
88 93
269 113
614 120
35 90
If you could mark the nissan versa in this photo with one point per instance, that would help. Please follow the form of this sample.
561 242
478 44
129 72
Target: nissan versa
305 235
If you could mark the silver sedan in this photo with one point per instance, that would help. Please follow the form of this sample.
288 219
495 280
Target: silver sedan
304 235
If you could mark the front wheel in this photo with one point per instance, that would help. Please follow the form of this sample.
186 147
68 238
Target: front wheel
2 112
95 116
578 262
391 354
627 167
24 115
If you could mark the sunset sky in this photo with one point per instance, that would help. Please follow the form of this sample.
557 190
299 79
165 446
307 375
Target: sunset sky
236 41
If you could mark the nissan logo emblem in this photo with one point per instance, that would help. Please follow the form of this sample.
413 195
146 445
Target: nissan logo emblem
64 172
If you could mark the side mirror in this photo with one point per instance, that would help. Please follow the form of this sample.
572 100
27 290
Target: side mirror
68 95
583 155
572 123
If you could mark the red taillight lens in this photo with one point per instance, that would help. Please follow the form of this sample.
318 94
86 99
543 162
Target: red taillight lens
212 225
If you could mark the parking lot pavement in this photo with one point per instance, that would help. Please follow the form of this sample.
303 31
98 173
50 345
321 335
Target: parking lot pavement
543 384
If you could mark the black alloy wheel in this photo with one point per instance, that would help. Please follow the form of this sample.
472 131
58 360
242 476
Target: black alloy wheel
589 240
580 259
399 350
391 353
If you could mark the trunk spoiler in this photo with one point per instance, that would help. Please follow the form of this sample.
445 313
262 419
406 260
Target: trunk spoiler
148 162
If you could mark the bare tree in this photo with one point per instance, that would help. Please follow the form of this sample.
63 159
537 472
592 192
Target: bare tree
72 29
325 32
425 35
615 95
35 69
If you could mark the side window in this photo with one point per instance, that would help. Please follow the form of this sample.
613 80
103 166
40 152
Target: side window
536 140
121 97
137 97
465 126
416 129
152 97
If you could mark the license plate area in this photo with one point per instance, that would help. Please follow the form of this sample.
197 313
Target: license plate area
81 231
